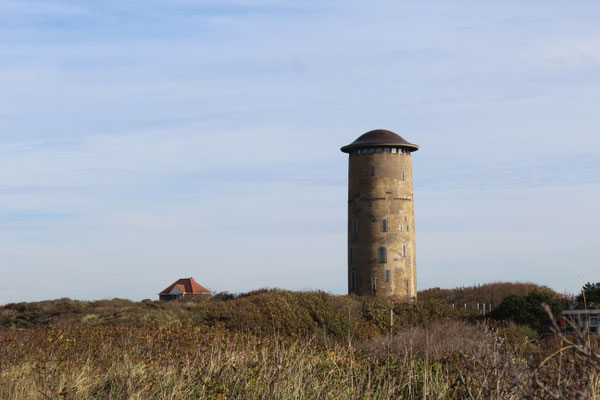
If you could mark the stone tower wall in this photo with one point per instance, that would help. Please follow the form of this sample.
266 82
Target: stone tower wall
380 188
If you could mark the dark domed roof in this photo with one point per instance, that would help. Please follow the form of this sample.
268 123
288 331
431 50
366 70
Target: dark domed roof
380 137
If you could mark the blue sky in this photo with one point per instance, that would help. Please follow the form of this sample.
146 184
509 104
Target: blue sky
143 141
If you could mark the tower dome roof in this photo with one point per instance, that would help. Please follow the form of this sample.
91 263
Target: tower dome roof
380 137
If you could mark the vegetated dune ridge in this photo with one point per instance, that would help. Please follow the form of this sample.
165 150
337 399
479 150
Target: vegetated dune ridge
285 345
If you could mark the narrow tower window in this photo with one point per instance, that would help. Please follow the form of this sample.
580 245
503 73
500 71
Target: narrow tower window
351 255
401 228
354 226
403 175
384 225
388 275
382 255
372 171
352 280
404 250
373 284
407 228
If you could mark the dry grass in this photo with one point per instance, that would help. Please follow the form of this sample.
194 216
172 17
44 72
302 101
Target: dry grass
451 360
282 345
184 361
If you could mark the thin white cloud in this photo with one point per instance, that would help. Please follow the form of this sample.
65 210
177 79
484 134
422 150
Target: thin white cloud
39 8
569 54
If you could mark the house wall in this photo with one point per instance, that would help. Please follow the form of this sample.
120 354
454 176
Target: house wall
169 297
185 296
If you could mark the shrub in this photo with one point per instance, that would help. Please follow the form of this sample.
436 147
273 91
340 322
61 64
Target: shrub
488 293
528 310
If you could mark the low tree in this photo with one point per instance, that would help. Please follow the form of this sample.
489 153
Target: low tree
528 310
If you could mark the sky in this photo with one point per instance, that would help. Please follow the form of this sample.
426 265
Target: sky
145 141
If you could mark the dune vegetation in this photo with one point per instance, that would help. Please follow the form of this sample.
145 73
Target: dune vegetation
274 344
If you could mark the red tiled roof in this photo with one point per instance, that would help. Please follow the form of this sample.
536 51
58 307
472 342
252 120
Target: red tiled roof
187 286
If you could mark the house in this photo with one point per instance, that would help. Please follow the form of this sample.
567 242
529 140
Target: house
580 319
185 288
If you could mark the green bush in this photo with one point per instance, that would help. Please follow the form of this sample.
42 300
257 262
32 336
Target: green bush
528 310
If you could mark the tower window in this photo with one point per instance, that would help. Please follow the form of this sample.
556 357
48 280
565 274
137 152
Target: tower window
403 175
384 225
379 150
401 228
388 275
372 171
354 226
351 256
371 150
407 228
404 250
352 280
387 150
373 284
382 254
406 282
394 150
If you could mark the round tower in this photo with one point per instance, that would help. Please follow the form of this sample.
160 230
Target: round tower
381 218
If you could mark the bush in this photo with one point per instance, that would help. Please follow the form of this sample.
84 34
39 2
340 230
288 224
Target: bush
528 310
488 293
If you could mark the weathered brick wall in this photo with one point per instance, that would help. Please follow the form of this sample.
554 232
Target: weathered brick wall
380 187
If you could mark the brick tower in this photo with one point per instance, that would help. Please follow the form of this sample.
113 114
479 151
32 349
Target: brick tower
381 218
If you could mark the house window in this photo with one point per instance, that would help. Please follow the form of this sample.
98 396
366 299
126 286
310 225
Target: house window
352 280
593 321
384 225
388 275
404 250
382 255
372 171
354 226
351 255
373 284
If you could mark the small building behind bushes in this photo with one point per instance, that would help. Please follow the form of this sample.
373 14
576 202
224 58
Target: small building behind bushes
186 288
581 320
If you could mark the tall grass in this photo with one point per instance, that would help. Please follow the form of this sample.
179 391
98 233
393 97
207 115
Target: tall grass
448 360
185 361
282 345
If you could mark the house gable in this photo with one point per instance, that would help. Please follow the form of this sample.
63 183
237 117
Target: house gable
176 290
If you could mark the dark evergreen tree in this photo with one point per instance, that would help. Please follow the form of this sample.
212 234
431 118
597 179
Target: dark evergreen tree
528 310
590 296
